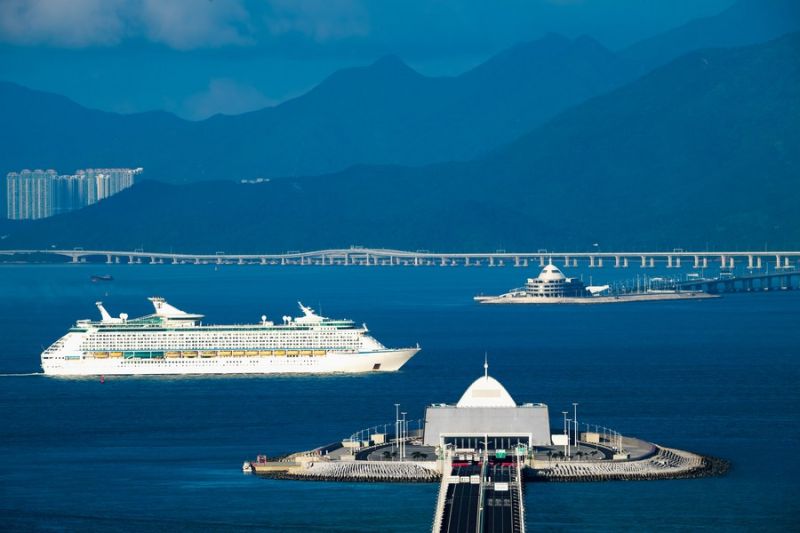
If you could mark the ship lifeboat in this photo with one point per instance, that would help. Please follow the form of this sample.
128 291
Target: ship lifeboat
210 353
237 353
189 353
173 354
319 352
292 352
100 355
251 353
115 354
305 352
224 353
279 352
265 353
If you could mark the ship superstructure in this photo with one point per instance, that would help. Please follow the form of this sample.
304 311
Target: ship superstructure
171 341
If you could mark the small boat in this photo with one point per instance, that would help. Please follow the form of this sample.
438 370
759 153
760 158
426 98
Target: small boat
247 468
104 277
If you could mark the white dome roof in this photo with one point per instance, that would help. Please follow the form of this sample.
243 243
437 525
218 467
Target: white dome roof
486 392
551 272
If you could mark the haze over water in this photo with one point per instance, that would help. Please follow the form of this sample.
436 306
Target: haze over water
717 377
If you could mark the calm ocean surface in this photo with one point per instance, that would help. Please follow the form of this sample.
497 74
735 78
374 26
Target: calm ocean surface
718 377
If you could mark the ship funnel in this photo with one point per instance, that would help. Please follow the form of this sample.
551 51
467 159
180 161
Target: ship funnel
103 313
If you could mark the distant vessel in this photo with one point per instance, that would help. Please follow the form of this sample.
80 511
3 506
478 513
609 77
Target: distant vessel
553 287
171 341
104 277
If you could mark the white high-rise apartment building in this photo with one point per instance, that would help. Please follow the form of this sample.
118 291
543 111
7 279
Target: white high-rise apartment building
41 194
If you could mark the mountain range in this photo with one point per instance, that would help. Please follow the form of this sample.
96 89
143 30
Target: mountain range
701 150
384 113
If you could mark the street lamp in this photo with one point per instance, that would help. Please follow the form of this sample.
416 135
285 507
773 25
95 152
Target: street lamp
403 442
565 434
575 420
395 442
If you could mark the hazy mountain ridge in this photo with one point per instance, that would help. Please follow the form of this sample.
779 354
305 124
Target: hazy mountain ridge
702 150
382 113
385 113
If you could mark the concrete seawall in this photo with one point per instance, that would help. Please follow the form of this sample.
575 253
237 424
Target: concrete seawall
361 471
666 463
623 298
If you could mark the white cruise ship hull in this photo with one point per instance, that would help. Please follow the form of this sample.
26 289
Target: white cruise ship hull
387 360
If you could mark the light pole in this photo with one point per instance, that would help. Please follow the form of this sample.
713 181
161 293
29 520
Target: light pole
403 442
565 434
575 420
395 442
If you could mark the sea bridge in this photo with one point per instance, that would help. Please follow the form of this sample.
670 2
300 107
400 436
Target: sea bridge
786 279
481 495
356 255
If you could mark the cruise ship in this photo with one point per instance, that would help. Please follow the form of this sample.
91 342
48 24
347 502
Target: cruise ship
171 341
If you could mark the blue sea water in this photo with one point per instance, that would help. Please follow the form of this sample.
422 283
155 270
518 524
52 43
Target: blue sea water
717 377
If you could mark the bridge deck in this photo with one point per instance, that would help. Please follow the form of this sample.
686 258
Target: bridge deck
481 497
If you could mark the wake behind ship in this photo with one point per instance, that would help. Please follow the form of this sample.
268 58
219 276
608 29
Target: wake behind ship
171 341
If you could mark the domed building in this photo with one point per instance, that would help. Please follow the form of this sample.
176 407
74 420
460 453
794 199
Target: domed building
486 413
552 283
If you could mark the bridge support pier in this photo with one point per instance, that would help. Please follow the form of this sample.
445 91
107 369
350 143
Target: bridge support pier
616 262
591 261
644 262
108 259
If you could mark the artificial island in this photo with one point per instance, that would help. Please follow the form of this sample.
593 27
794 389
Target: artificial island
481 450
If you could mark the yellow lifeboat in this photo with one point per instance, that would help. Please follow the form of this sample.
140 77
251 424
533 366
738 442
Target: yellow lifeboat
189 353
305 352
292 352
265 353
251 353
173 354
319 352
237 353
208 353
279 352
115 354
224 353
100 355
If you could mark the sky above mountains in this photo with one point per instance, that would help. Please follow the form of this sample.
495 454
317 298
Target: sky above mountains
197 58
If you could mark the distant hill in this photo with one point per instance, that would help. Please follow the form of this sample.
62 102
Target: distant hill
745 22
382 113
702 151
385 113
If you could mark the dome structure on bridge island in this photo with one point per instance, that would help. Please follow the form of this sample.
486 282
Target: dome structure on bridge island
485 415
